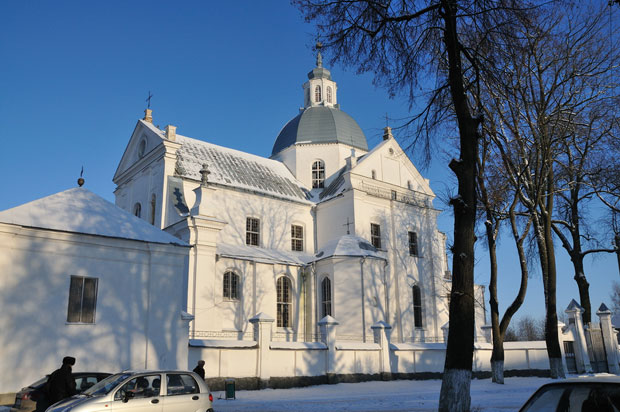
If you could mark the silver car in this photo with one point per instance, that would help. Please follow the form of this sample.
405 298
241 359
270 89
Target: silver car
142 391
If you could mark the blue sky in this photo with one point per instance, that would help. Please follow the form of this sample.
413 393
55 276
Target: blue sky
75 75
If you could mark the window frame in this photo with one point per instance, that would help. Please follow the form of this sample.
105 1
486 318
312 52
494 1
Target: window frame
318 174
284 302
297 238
326 298
417 306
230 286
375 235
317 94
137 210
329 94
252 237
72 305
414 247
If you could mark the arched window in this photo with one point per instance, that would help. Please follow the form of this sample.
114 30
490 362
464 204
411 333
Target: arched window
417 306
409 184
283 290
231 286
373 174
329 94
317 94
326 297
153 204
137 210
318 174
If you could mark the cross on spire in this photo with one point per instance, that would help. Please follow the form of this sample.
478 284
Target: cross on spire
347 225
148 100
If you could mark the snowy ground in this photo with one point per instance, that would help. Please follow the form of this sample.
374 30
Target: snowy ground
394 396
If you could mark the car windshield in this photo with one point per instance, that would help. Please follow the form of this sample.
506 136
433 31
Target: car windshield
105 386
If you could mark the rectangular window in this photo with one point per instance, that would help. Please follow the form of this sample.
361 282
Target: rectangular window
297 238
82 300
375 235
252 231
413 244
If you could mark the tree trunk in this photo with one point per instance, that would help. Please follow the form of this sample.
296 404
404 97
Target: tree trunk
617 242
584 288
455 387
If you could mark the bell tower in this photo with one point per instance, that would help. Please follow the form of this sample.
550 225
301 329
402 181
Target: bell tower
320 89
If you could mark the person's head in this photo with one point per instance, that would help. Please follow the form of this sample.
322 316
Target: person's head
68 361
201 363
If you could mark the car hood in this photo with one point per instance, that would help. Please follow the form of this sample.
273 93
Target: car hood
73 401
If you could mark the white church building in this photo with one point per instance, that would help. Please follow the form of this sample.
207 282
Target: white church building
325 226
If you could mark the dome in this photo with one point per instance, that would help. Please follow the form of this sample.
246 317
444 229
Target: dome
320 124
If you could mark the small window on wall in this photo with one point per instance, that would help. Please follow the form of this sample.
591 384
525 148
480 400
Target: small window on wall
329 94
231 286
252 231
82 300
283 291
326 297
373 174
137 210
297 238
417 306
375 235
153 208
413 244
318 174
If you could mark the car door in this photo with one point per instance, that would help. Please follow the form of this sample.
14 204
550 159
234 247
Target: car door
139 394
183 393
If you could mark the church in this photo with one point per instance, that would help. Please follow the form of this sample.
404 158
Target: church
325 226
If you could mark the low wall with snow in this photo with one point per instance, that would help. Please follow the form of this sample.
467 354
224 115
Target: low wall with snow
286 364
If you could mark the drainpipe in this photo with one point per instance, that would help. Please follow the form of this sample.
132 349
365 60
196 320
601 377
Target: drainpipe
387 292
148 309
362 260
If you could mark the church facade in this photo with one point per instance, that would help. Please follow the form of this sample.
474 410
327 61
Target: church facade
325 226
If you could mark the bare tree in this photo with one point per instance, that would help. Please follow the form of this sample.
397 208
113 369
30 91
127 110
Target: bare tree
406 43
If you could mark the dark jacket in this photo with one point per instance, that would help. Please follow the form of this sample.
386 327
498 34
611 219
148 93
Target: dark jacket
60 384
200 371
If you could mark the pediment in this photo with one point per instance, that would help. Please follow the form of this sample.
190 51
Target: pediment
388 163
144 139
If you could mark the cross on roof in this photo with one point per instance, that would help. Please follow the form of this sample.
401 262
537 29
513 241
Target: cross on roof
148 100
347 225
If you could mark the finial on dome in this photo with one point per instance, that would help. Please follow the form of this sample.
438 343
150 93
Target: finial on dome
387 133
80 180
204 172
319 58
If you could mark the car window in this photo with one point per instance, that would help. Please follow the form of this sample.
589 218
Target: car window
576 398
107 385
84 382
181 384
144 386
548 400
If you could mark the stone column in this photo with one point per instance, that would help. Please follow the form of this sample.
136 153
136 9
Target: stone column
574 311
609 339
381 332
328 326
262 324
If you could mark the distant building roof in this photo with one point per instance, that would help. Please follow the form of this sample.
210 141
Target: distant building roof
238 169
319 124
79 210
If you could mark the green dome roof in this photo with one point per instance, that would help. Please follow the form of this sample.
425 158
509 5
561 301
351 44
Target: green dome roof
320 124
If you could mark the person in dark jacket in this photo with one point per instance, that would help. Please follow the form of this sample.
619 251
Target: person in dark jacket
61 384
200 370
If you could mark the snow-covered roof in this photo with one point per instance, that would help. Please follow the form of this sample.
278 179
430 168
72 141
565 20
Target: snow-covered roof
350 246
263 255
79 210
238 169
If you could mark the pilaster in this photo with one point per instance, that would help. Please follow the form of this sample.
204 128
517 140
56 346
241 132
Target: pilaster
382 332
609 339
262 325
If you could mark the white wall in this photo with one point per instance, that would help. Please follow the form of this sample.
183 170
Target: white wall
141 293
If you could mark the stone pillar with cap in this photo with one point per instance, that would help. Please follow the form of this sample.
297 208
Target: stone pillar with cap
609 338
582 359
263 324
387 133
328 326
381 332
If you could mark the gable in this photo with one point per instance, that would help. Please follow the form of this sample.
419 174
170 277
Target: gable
392 165
144 139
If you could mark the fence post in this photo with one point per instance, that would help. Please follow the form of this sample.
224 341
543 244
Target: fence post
611 345
381 332
582 359
328 326
262 324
